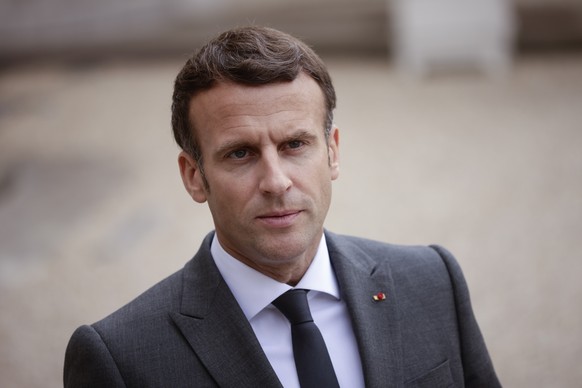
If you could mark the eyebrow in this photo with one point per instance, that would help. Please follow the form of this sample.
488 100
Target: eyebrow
300 134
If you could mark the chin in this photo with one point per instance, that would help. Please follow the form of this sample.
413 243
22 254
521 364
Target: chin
285 248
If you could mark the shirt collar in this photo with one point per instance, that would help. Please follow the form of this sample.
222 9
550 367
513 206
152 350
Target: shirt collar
255 291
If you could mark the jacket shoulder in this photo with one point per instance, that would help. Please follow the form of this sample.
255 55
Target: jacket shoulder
397 256
137 345
154 303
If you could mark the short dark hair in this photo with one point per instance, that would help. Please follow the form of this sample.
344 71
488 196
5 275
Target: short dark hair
250 55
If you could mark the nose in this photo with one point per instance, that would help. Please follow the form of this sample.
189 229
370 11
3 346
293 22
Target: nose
274 180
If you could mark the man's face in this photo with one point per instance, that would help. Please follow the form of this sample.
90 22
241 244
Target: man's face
268 169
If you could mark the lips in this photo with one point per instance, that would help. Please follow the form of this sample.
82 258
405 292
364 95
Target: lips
279 219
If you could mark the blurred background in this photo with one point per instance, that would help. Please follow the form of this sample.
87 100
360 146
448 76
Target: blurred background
461 124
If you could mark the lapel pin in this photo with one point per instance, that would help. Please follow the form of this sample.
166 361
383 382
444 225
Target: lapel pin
379 296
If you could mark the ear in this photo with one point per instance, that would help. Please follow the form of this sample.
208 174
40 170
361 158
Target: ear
192 177
333 151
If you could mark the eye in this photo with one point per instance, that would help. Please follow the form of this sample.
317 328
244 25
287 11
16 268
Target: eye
295 144
238 154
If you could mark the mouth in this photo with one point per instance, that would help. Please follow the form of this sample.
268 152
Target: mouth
279 219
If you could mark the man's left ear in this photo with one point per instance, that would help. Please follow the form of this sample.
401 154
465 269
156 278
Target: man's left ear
333 151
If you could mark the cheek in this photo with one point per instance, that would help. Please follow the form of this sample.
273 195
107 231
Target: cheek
316 184
230 193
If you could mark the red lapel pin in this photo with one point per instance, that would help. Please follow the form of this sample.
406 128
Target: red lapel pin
379 296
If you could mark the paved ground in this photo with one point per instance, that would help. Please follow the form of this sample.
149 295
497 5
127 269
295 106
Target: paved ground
92 210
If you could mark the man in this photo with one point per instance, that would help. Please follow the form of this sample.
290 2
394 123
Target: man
252 112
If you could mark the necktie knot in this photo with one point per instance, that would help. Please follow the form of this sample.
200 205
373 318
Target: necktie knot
293 304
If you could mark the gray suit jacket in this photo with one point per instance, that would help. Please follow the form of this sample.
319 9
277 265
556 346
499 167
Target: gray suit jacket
188 330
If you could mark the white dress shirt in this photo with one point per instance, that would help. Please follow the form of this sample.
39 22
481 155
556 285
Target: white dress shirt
254 293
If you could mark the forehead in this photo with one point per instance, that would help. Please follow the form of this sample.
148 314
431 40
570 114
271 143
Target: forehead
227 103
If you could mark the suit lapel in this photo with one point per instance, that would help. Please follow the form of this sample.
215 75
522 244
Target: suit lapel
216 328
375 323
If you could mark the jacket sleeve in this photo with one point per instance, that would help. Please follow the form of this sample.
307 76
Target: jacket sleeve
88 362
478 369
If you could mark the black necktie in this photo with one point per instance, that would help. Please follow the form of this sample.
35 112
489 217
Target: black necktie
312 361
